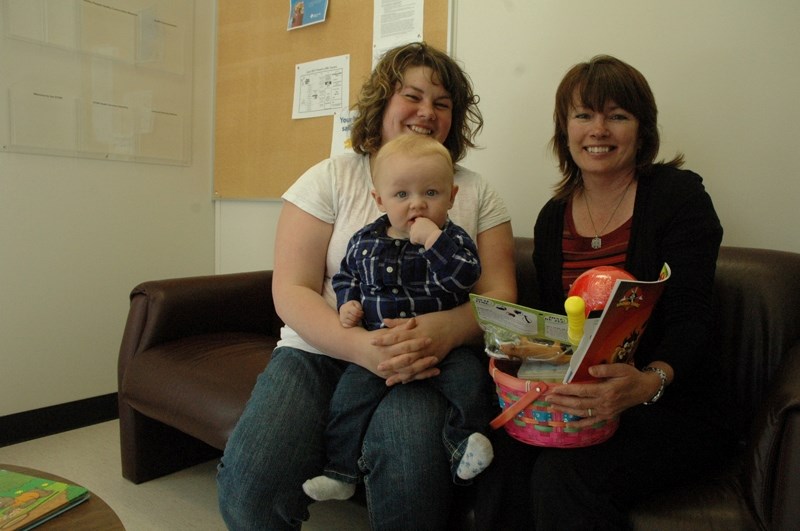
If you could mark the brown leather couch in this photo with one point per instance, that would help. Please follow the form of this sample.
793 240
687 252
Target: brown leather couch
193 347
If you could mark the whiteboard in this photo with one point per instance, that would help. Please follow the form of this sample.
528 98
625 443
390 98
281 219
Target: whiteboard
108 79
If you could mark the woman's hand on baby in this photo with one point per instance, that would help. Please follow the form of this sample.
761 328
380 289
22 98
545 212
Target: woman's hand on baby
406 349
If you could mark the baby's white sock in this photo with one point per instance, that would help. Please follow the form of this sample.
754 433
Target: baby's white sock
477 456
323 488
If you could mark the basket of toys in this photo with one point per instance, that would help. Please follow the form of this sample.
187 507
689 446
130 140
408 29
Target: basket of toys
529 419
532 351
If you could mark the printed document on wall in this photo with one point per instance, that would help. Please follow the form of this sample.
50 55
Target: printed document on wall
395 22
321 88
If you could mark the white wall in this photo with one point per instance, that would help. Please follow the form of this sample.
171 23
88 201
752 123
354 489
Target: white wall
77 234
245 235
726 74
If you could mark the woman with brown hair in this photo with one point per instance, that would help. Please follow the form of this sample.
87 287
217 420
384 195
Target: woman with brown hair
616 206
279 441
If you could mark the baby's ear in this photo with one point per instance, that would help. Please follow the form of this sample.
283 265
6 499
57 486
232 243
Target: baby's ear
378 200
453 195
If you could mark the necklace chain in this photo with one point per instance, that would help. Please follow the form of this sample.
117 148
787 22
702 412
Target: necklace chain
597 241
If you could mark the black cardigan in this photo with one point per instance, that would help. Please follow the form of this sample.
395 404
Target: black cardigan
674 221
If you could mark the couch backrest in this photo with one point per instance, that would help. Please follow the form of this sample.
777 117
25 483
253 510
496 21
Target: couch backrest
756 296
527 291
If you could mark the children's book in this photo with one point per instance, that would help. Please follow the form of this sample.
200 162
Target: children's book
27 501
614 336
540 340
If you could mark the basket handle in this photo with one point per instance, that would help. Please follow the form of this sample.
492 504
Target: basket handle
514 409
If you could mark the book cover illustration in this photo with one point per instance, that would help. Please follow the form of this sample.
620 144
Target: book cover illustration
27 501
614 336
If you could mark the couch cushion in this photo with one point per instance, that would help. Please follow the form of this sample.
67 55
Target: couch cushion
198 384
717 503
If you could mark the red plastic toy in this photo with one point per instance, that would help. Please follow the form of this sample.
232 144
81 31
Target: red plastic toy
594 286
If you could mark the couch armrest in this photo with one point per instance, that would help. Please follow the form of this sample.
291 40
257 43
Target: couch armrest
775 458
165 310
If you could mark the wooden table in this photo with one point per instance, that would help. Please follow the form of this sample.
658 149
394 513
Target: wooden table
92 515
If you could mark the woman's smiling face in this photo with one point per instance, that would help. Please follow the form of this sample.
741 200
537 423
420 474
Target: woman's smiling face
420 105
603 142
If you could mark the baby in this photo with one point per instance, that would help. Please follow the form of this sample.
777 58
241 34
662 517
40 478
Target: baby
412 260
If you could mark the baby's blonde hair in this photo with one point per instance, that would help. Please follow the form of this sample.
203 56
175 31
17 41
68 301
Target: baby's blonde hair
414 146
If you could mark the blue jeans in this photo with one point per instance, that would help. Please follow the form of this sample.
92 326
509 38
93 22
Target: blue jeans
278 443
360 391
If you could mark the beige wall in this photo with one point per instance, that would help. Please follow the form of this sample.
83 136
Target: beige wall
77 234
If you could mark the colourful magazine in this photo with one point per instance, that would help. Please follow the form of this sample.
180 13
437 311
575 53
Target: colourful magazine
614 336
27 501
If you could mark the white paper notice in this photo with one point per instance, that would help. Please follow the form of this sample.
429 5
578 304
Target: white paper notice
340 139
43 119
321 88
395 22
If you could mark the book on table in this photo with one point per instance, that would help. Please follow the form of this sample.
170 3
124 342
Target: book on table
28 501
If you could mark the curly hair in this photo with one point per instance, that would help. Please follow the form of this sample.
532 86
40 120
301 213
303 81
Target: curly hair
593 84
384 81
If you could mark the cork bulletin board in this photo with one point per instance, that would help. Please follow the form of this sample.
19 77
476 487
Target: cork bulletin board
259 149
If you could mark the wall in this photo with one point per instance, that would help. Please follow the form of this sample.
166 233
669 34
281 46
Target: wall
77 234
725 74
245 236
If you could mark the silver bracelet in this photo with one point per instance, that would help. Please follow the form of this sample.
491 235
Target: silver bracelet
663 376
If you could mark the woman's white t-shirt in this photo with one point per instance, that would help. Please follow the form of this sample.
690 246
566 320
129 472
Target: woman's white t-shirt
338 191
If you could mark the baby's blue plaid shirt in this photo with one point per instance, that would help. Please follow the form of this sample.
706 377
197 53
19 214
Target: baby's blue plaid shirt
395 278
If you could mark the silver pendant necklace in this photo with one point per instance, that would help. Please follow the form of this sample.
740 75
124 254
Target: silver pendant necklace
597 241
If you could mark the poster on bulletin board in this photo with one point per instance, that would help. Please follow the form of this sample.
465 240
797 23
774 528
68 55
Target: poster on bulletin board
321 87
306 12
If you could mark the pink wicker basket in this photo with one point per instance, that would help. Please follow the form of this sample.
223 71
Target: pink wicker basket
534 422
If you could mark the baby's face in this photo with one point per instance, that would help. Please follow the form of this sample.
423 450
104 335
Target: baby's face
408 188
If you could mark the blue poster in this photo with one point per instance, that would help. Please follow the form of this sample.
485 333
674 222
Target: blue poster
306 12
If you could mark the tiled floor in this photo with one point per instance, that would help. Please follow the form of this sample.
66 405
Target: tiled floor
186 500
